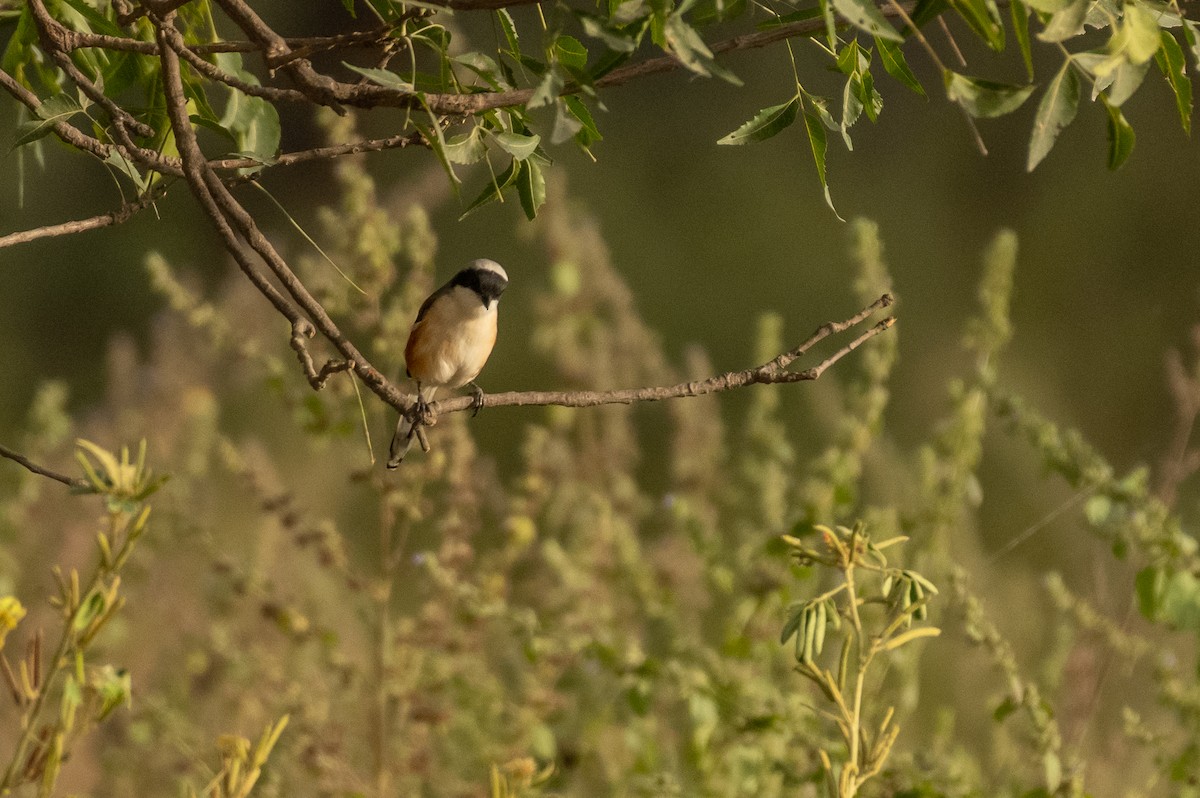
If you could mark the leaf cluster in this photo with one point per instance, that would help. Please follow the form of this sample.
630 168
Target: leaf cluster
496 111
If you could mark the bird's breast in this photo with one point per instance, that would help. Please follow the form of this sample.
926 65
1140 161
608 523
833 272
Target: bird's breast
450 345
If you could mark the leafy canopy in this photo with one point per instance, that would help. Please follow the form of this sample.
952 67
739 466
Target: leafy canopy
504 101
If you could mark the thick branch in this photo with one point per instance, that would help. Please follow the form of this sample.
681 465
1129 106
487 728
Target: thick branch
224 210
41 471
769 373
194 168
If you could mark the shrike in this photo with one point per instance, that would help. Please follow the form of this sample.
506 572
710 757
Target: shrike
450 341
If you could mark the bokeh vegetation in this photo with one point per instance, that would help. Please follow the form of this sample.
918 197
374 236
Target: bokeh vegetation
799 590
602 616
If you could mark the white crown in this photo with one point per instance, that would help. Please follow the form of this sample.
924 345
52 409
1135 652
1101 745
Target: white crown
486 265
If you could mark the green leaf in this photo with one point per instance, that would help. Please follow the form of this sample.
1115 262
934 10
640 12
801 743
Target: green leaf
1148 587
765 124
682 40
435 137
828 12
984 18
1170 61
1057 109
510 31
928 10
1020 21
915 633
485 67
59 108
466 148
588 133
125 167
349 6
864 14
818 144
852 59
802 15
613 39
381 77
518 145
20 45
1066 23
494 189
254 124
1120 136
1177 600
531 187
1137 35
566 125
984 98
1004 709
571 53
1191 34
623 13
1124 81
547 91
434 36
1098 509
893 61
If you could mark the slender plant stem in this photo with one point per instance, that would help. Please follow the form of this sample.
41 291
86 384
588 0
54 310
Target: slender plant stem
68 640
863 659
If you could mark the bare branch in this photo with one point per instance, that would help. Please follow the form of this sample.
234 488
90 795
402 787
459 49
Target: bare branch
300 331
769 373
226 213
213 72
302 46
40 470
122 214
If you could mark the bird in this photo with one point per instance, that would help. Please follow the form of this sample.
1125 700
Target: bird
450 341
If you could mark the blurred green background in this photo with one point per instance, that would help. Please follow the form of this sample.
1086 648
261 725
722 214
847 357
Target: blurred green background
709 237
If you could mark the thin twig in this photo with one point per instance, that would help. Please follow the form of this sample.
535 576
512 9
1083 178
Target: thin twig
302 46
325 153
302 330
958 53
766 374
21 459
122 214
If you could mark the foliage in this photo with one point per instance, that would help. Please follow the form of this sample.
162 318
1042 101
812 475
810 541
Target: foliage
494 105
593 606
57 704
902 596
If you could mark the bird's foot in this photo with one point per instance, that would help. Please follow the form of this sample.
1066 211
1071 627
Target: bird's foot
421 413
476 399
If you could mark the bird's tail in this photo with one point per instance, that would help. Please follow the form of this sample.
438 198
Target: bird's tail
405 433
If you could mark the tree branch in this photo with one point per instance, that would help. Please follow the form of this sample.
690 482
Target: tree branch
770 373
278 53
41 471
122 214
52 35
302 46
226 213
